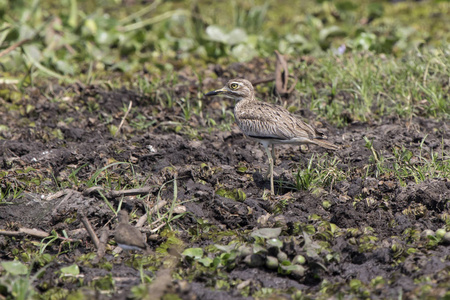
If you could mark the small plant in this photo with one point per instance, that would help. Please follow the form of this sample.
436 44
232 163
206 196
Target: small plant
103 174
141 122
53 237
185 105
11 192
168 217
376 158
405 165
16 281
319 173
73 176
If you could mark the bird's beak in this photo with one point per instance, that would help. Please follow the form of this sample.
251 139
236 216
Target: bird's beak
216 92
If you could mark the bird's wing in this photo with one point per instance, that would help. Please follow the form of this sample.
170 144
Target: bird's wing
267 121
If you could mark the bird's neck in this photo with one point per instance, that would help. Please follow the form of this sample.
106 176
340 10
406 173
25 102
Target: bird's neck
240 106
244 101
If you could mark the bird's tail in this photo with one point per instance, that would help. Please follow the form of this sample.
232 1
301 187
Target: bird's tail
325 144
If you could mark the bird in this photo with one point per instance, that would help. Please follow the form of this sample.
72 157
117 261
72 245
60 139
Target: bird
127 236
267 123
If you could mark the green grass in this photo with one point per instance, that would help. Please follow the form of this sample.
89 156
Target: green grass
405 165
321 172
367 86
71 38
361 86
390 65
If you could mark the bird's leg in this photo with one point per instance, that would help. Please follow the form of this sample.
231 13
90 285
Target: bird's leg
272 190
274 158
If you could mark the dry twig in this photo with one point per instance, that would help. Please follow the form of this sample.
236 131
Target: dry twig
90 230
122 193
124 117
154 209
282 75
33 232
102 248
26 231
14 46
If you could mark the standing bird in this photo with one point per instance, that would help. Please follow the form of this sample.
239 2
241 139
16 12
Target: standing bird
267 123
127 236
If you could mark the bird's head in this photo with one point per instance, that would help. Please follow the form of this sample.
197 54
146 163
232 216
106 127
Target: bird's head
236 89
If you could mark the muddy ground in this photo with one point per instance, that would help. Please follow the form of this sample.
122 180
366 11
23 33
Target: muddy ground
206 161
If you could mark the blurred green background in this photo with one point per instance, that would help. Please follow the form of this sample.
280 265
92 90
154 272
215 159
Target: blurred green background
69 38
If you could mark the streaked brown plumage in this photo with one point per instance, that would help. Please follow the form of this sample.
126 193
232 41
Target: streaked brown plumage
267 123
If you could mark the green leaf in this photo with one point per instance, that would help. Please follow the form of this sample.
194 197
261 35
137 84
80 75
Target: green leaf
205 261
333 228
257 248
91 26
286 264
73 17
195 253
364 41
225 248
113 129
355 284
22 288
65 67
29 54
244 52
296 39
310 246
266 233
70 270
215 33
241 196
33 52
330 32
236 36
275 243
15 267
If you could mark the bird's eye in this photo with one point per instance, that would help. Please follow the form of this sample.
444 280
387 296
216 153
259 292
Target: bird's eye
234 86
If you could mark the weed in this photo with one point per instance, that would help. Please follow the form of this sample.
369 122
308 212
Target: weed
167 218
319 173
10 192
17 282
96 178
405 165
73 176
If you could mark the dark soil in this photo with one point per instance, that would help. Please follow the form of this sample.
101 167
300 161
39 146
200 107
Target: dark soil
206 161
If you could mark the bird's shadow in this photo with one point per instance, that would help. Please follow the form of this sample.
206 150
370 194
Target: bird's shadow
281 184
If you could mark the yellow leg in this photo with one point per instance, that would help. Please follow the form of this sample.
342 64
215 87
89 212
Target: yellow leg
272 190
273 159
